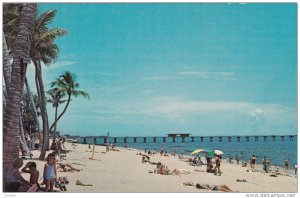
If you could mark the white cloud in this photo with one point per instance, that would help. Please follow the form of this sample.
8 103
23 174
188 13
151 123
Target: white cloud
61 64
162 78
105 74
196 74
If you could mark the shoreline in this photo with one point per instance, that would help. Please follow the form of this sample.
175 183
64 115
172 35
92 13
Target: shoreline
281 167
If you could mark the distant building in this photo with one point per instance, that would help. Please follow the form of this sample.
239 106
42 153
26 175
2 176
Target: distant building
178 134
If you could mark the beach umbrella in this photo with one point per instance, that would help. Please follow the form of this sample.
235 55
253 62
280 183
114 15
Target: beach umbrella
200 151
214 152
196 151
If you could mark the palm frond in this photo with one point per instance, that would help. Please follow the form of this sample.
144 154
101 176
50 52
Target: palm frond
45 18
49 36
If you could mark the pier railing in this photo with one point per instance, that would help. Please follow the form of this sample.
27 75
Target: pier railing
183 138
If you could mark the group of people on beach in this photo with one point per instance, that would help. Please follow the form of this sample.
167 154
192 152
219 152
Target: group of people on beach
17 183
54 163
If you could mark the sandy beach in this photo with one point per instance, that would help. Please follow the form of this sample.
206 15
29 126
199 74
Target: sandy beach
123 171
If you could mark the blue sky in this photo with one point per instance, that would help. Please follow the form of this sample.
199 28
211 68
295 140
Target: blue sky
153 69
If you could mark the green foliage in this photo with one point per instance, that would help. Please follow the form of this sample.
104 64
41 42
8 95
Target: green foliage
27 112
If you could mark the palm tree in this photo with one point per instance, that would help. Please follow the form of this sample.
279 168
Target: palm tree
66 83
11 22
55 99
11 117
43 49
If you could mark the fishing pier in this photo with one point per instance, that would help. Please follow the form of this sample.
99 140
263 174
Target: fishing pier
186 137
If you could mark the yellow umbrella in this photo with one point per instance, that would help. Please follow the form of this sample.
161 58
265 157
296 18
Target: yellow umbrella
197 151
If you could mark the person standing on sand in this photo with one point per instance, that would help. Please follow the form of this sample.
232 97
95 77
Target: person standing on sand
265 165
218 165
237 159
50 172
286 164
296 168
252 162
268 163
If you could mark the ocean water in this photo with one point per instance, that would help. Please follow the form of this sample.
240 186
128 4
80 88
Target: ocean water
277 150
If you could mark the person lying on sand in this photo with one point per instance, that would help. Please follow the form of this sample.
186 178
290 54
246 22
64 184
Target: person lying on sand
223 188
66 167
164 170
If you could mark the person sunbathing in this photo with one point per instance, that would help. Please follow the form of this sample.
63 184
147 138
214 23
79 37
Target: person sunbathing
66 167
164 170
223 188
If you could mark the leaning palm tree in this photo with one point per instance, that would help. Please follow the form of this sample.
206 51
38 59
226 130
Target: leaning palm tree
44 50
66 83
56 98
11 117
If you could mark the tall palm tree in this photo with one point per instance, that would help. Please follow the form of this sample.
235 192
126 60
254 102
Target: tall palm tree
21 57
11 21
43 49
56 98
66 83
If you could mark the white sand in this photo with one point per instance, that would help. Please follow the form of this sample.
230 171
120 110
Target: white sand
124 172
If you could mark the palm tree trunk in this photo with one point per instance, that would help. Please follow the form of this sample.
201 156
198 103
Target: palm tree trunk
23 144
62 113
7 77
40 99
6 63
33 105
43 106
54 131
11 117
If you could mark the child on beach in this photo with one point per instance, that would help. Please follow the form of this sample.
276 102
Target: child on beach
50 172
30 168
